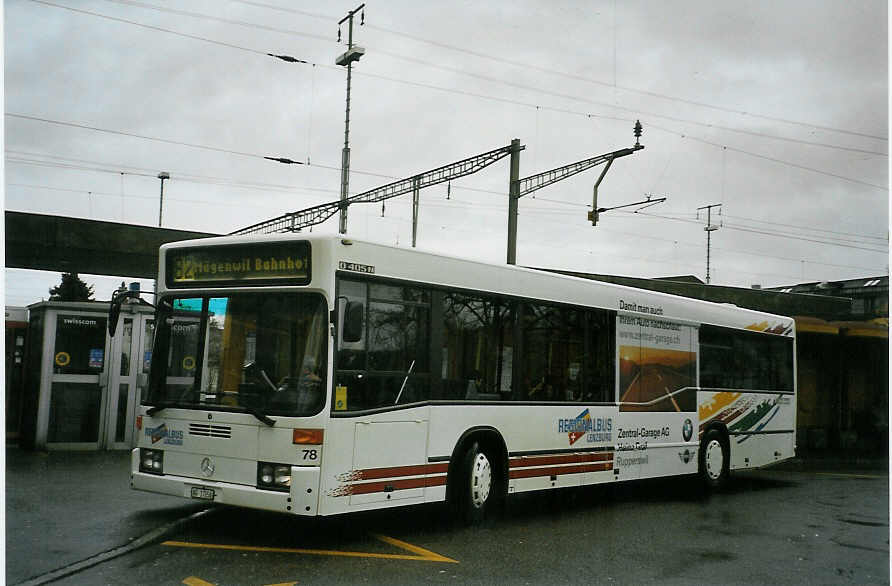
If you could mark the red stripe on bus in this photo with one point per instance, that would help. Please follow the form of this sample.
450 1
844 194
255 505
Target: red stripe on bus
557 471
390 485
397 471
523 461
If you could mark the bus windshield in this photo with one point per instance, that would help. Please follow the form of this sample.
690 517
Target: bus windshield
256 352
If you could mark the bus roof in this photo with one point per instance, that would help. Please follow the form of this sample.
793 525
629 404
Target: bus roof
435 268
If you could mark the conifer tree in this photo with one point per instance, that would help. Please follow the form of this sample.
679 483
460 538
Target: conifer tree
71 289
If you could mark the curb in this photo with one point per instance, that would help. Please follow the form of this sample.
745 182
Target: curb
139 542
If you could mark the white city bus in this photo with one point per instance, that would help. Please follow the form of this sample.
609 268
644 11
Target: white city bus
318 375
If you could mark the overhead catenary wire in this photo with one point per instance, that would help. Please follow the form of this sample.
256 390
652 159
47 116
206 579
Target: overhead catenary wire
466 72
541 213
456 70
148 26
666 216
793 237
633 90
140 136
788 225
499 209
676 216
728 226
773 159
638 112
731 226
691 265
505 100
868 241
205 16
601 116
215 203
538 213
61 162
185 177
550 70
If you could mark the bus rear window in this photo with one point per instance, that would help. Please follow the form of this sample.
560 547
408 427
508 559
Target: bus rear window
734 359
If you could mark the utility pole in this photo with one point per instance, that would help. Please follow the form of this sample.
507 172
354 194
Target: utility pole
415 194
513 197
709 229
347 58
162 176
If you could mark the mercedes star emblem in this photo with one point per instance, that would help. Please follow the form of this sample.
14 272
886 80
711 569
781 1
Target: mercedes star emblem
207 467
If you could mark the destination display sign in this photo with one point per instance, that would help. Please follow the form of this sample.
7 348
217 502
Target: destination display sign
239 265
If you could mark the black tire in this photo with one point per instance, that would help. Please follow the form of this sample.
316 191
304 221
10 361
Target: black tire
478 484
715 464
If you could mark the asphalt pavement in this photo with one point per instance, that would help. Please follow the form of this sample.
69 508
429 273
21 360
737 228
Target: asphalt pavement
68 508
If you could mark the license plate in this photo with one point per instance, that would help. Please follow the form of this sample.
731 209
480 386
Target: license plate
202 493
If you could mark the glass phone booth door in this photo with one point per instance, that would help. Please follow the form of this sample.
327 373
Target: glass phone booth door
76 356
132 352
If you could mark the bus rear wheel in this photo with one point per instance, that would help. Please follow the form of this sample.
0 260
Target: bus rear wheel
714 460
478 484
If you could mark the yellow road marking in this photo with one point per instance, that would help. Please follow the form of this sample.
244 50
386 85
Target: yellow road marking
195 581
422 555
851 475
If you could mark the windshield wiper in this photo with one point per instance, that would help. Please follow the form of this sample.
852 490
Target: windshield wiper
261 416
157 408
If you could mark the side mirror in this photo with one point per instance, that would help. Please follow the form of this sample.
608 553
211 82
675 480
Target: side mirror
353 322
114 310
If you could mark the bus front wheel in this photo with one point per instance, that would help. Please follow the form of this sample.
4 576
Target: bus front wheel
714 460
478 484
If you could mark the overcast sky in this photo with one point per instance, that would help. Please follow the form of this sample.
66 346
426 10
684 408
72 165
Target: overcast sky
776 110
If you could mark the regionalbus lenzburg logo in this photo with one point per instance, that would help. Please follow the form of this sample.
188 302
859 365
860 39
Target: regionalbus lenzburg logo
597 429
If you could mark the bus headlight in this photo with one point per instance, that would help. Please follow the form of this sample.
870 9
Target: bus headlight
151 461
274 476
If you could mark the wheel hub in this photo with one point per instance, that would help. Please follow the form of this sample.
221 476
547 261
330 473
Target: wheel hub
481 480
715 460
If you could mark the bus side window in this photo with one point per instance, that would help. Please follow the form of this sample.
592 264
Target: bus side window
476 347
383 344
553 353
599 362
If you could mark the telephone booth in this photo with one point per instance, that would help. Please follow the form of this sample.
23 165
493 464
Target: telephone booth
82 386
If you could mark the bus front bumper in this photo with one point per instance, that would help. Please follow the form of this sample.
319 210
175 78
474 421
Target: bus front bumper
303 499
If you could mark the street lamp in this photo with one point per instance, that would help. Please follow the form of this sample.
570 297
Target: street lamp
162 176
